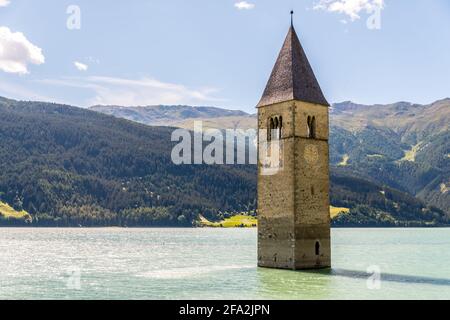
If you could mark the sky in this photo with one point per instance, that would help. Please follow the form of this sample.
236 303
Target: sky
220 52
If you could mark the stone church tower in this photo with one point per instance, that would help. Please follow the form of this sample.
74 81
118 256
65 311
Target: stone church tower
293 167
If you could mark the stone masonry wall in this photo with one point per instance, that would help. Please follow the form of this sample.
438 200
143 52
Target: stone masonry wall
293 202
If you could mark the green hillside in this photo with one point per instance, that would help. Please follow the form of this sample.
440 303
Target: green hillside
374 205
11 216
68 166
403 145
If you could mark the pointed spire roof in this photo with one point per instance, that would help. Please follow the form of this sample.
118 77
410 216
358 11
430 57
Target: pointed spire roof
292 77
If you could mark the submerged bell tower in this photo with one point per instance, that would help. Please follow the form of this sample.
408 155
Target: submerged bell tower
293 166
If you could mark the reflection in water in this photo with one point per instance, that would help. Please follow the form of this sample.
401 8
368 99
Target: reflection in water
287 284
390 277
332 283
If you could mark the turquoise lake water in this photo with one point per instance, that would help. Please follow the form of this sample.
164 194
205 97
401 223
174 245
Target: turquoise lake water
216 264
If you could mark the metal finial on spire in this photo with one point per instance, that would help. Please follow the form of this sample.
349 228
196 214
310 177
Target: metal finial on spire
292 18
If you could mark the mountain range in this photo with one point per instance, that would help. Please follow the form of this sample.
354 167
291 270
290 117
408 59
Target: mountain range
401 145
67 166
176 116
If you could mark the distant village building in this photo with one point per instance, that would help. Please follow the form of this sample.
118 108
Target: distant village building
293 173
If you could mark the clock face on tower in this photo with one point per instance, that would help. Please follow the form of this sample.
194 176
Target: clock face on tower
311 154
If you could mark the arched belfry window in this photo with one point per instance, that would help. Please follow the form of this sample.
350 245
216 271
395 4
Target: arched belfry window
280 129
308 127
274 128
311 127
270 129
274 132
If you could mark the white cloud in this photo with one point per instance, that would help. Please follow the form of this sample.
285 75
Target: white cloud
135 92
93 59
81 66
16 52
244 5
4 3
351 8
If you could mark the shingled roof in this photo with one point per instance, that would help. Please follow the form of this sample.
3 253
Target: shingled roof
292 77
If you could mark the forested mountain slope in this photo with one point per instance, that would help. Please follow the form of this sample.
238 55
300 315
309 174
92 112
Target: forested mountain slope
68 166
402 145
